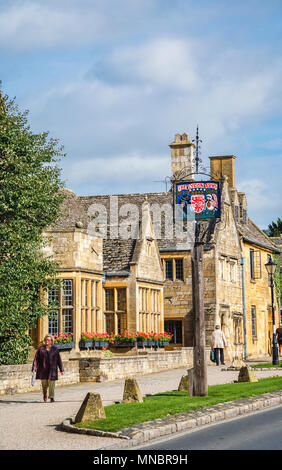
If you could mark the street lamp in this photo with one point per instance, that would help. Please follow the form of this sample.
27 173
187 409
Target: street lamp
270 267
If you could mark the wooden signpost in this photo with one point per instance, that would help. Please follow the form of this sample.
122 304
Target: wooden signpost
200 378
198 201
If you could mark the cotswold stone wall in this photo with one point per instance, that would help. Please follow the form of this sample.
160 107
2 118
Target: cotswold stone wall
75 248
111 368
17 378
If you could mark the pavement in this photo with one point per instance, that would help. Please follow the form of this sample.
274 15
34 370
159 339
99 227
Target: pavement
26 423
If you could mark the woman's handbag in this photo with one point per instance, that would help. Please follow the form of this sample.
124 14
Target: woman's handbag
33 378
212 356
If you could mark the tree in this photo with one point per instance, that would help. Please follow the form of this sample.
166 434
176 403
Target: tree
275 228
30 199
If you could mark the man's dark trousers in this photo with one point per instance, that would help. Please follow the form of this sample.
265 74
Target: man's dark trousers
217 352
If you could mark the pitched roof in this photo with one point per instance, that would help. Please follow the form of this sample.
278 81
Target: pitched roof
251 233
78 211
277 240
118 252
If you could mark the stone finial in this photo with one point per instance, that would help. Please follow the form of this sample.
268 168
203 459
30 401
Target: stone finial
131 391
79 224
247 375
91 409
184 383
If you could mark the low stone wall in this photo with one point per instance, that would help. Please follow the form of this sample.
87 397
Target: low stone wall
17 378
111 368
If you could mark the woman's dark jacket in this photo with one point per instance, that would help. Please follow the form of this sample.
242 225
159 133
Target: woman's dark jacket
46 363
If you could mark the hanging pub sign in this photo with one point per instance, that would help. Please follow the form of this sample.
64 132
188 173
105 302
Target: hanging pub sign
198 200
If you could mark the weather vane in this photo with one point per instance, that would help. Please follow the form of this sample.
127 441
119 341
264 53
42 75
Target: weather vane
197 151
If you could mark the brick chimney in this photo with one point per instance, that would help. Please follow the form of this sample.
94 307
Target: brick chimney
182 156
223 166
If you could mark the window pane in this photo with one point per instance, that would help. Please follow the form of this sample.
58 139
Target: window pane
97 285
179 269
53 317
252 264
67 320
86 293
121 299
53 323
154 301
67 292
53 296
121 323
109 299
109 322
174 327
94 294
140 299
168 269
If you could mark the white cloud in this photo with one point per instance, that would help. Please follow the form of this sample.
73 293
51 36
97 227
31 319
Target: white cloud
259 196
163 61
161 92
148 78
129 168
35 25
39 24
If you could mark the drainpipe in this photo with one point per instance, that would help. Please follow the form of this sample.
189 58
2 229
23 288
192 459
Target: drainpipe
243 260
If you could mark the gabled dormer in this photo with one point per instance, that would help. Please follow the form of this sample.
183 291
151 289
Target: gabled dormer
146 262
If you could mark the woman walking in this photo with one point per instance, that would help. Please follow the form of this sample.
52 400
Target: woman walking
46 362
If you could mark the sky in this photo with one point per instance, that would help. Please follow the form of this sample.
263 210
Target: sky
115 80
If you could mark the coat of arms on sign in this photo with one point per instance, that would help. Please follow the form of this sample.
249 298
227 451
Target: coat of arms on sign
198 203
198 200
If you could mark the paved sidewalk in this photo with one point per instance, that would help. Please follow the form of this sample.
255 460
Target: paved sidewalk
26 423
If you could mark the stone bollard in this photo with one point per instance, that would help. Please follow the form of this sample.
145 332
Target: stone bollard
247 375
184 383
131 391
237 364
91 409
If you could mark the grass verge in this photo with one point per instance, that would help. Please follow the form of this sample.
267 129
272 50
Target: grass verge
164 404
265 365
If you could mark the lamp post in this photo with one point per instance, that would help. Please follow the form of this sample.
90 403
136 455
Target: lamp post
270 267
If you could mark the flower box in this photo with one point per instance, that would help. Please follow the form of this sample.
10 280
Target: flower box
101 344
86 344
141 344
69 345
150 343
125 344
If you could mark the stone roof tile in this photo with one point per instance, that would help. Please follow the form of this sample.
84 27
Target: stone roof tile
118 252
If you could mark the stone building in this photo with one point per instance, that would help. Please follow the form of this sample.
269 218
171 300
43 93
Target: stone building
278 260
126 264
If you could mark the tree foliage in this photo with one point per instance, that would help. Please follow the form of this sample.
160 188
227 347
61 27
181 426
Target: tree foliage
30 199
275 228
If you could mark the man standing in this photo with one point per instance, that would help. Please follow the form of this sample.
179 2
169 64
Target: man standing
279 338
218 343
